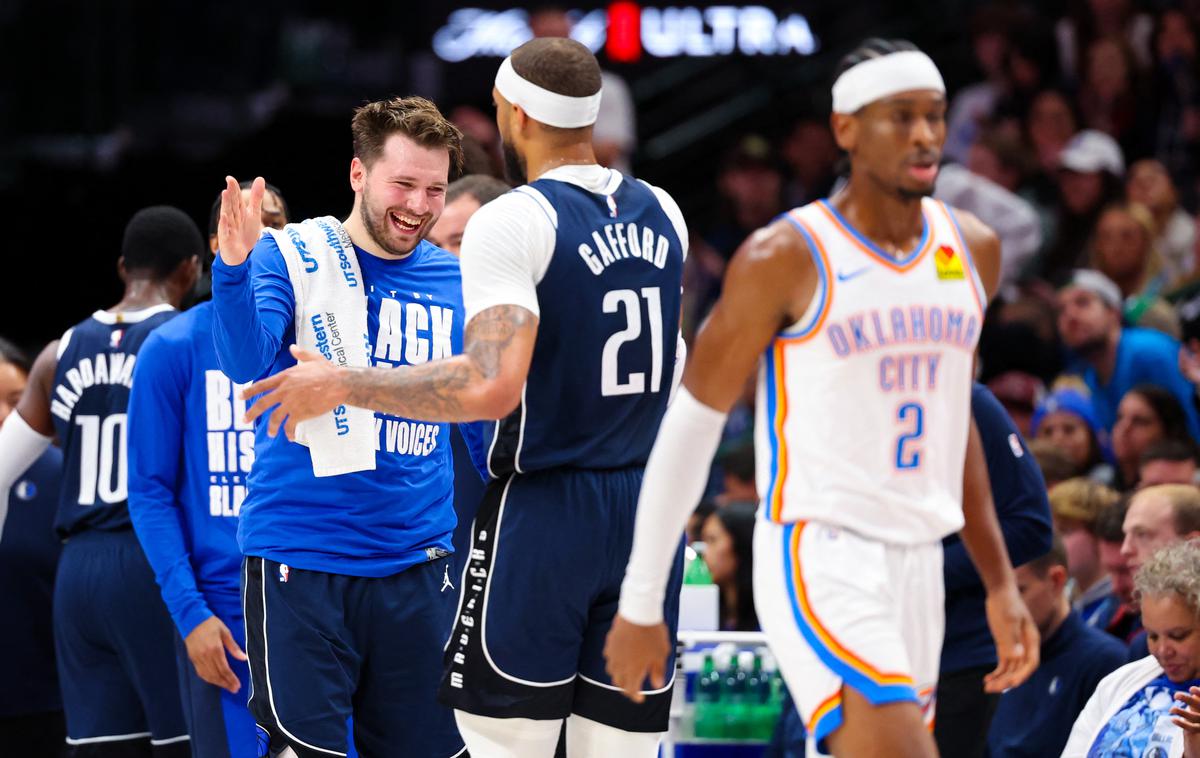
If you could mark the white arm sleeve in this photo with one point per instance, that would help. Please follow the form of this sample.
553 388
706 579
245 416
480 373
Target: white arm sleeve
20 447
671 488
506 249
680 360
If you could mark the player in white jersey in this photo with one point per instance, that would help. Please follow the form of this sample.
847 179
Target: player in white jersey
862 313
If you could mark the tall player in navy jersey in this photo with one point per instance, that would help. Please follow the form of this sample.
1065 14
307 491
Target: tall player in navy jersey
113 635
347 583
190 451
572 288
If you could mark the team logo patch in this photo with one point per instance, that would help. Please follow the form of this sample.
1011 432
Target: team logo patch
114 339
949 263
284 572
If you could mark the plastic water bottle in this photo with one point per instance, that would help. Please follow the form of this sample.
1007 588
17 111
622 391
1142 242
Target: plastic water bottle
773 686
696 570
709 719
735 696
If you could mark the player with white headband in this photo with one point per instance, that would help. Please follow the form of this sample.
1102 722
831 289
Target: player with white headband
571 284
861 314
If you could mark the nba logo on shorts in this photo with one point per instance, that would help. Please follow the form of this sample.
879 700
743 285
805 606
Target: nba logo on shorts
283 572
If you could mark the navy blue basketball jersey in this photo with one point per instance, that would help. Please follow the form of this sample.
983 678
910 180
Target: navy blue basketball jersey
604 358
88 404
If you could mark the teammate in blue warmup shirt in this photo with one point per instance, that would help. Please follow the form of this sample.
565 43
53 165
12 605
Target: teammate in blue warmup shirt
347 582
31 716
113 636
190 451
571 285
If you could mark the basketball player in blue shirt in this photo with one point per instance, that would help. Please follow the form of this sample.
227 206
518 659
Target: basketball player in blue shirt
347 584
113 636
571 284
189 453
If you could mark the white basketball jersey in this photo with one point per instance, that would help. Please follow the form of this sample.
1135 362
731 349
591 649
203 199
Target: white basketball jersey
864 404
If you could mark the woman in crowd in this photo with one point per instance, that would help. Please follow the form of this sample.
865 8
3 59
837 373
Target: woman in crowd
1066 420
1131 712
1146 414
728 550
1123 250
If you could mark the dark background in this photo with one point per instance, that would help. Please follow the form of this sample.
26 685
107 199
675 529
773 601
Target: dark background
109 106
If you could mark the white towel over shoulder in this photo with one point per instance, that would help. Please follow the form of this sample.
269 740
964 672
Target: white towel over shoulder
331 319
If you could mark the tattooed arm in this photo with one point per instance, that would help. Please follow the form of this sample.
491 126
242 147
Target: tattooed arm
484 382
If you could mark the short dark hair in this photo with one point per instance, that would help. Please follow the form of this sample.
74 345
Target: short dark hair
1057 556
1110 522
1172 450
159 238
214 214
482 187
558 64
10 353
874 47
414 117
737 460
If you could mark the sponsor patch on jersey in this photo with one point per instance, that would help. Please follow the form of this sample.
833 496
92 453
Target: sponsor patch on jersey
949 263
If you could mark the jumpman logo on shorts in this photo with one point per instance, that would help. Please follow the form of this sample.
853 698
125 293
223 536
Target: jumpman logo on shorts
446 579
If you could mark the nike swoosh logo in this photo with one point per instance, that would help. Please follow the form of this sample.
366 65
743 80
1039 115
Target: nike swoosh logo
845 277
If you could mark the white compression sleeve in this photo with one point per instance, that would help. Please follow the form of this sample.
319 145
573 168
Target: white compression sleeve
675 477
20 447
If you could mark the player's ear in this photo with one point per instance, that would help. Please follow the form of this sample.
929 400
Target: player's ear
845 130
358 174
121 272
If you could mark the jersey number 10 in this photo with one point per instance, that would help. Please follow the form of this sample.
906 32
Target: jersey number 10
628 300
102 454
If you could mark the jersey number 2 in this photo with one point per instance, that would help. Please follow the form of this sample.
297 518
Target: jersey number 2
610 377
101 454
908 451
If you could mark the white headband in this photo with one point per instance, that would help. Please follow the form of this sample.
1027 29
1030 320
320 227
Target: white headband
543 105
881 77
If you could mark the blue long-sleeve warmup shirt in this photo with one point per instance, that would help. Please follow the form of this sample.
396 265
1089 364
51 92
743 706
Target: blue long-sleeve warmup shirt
1023 510
189 456
370 523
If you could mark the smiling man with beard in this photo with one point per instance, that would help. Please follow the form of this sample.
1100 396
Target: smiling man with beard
347 584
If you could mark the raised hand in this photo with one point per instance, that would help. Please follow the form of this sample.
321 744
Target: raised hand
240 222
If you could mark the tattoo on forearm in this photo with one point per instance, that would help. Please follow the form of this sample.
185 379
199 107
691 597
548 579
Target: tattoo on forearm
439 391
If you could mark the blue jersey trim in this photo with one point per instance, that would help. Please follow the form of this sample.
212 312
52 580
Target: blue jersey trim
871 246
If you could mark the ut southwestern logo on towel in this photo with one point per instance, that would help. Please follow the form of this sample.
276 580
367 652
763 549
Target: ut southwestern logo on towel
335 242
329 344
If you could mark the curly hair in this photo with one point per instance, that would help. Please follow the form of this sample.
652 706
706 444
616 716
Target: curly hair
1175 569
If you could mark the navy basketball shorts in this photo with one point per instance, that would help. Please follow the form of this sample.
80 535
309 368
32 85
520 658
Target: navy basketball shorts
218 720
115 645
324 647
540 590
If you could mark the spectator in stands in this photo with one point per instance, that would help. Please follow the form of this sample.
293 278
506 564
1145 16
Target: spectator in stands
1129 714
1108 99
811 156
695 524
975 105
736 460
1168 462
999 157
1101 19
1054 464
1177 96
1049 126
1159 516
751 187
1066 419
964 709
728 551
1091 166
1125 622
1147 413
1035 718
1077 505
463 197
1111 359
1174 228
1123 250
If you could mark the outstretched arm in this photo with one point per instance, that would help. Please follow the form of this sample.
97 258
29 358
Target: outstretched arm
484 382
770 279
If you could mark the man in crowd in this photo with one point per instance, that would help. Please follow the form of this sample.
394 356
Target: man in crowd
463 197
